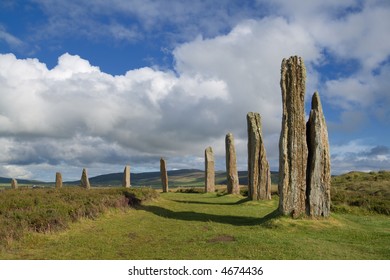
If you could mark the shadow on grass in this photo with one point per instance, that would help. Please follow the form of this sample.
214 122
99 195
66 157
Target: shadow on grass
203 217
214 203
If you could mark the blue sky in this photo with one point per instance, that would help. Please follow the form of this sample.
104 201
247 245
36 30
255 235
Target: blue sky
101 84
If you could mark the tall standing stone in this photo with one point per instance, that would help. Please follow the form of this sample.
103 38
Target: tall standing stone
318 167
164 175
231 166
84 180
126 177
292 145
209 170
14 183
58 180
259 174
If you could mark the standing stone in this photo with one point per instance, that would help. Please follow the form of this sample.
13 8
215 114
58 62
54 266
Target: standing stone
209 170
126 177
164 175
292 145
14 183
85 180
58 180
318 167
231 166
259 174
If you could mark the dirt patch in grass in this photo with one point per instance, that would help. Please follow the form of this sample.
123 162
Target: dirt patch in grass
132 235
222 238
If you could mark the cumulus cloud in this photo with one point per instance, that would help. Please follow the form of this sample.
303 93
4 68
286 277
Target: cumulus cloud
341 26
77 113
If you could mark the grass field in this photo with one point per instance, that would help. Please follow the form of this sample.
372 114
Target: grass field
185 225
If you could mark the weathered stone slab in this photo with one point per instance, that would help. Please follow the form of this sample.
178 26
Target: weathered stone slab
318 168
231 166
209 170
164 175
292 145
259 174
58 180
126 177
85 180
14 183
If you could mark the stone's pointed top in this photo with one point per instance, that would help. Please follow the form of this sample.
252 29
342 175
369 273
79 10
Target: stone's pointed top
229 137
209 154
294 58
252 114
316 102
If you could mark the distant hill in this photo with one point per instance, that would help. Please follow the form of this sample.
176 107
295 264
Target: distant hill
176 178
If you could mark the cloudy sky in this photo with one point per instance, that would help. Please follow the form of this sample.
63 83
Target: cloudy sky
101 84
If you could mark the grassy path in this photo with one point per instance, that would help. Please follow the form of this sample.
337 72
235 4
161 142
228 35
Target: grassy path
207 226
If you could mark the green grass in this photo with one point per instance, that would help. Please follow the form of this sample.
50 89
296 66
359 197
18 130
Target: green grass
209 226
74 223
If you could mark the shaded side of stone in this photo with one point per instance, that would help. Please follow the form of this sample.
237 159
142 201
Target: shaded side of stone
209 170
14 184
318 167
126 177
164 175
292 144
85 180
58 180
259 175
231 166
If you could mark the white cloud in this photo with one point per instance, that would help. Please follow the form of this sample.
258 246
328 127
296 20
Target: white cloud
349 29
14 171
361 97
248 60
54 116
76 113
359 155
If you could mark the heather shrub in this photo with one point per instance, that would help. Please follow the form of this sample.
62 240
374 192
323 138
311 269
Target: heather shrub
47 210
